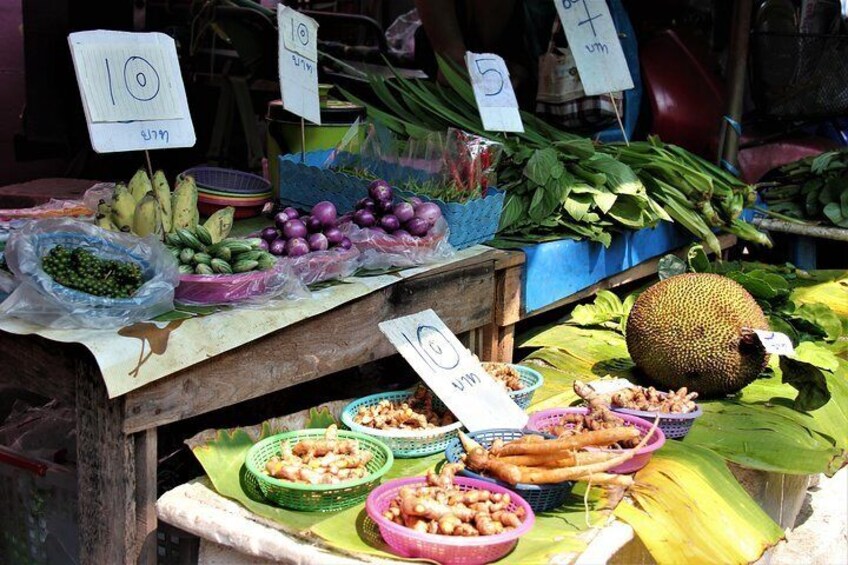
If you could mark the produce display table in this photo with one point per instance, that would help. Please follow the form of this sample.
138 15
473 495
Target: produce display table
803 245
190 367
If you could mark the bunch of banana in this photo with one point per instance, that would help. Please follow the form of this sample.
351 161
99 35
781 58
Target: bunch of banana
146 208
199 255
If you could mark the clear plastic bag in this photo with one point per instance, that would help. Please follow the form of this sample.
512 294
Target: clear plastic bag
255 288
320 266
41 300
383 251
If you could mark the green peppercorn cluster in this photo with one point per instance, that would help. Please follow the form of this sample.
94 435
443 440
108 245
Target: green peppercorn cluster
82 270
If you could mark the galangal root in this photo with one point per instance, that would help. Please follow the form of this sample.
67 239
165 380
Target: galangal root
535 460
327 461
415 413
505 374
443 508
599 417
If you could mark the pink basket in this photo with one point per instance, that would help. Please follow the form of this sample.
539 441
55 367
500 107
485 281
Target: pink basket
544 420
445 549
224 289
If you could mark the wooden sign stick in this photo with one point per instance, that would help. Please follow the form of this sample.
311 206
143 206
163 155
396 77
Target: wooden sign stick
618 117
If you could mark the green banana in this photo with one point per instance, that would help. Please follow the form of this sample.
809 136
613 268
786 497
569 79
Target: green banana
140 185
222 267
175 251
173 239
203 235
254 242
184 204
106 223
202 259
220 223
123 208
248 256
162 192
186 255
189 240
223 253
237 246
146 220
203 269
244 266
266 261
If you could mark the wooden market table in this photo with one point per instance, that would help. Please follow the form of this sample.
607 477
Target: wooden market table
117 438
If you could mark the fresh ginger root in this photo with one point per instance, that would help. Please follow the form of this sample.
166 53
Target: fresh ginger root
651 400
505 374
415 413
320 461
442 508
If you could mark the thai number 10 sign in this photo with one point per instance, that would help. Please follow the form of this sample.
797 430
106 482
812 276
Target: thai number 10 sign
298 52
595 45
132 90
457 377
493 92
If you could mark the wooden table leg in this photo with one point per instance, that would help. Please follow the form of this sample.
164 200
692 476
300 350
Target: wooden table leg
110 465
498 338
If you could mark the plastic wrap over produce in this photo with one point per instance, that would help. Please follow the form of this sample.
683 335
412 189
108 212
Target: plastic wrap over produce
41 300
253 288
320 266
383 251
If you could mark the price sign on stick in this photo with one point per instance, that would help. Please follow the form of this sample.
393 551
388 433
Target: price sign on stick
453 373
493 92
595 46
299 63
132 90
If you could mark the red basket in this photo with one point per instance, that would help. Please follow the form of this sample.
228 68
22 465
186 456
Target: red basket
448 550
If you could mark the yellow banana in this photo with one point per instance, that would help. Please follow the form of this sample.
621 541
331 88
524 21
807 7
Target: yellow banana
105 222
103 209
162 192
220 223
140 185
147 220
184 205
123 208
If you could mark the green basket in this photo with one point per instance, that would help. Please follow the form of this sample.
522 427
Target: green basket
317 498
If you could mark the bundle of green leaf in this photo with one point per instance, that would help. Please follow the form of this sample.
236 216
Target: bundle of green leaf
561 185
815 189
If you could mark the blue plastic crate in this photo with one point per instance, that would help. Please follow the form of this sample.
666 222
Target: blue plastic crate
304 183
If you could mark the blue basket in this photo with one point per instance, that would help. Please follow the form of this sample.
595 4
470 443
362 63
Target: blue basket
305 183
228 180
532 380
540 497
405 444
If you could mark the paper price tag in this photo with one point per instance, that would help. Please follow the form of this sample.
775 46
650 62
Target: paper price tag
775 342
132 90
608 386
493 92
456 376
595 45
298 63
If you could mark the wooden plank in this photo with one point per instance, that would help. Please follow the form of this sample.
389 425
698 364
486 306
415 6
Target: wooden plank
640 271
146 462
339 339
105 473
40 366
508 296
509 258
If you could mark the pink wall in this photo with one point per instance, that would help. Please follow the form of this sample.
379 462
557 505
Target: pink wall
12 100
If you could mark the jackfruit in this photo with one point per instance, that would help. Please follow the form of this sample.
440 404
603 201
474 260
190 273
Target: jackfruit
695 331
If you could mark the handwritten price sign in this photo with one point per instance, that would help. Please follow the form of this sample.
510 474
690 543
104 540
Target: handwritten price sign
493 92
775 342
595 46
299 63
132 90
452 372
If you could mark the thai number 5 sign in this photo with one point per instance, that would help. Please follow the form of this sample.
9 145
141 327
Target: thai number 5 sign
595 45
132 90
456 376
299 63
493 92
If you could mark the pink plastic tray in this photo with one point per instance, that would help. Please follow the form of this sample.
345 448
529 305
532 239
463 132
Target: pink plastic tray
223 289
544 420
445 549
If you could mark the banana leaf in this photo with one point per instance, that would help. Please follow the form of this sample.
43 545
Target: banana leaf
688 508
222 453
